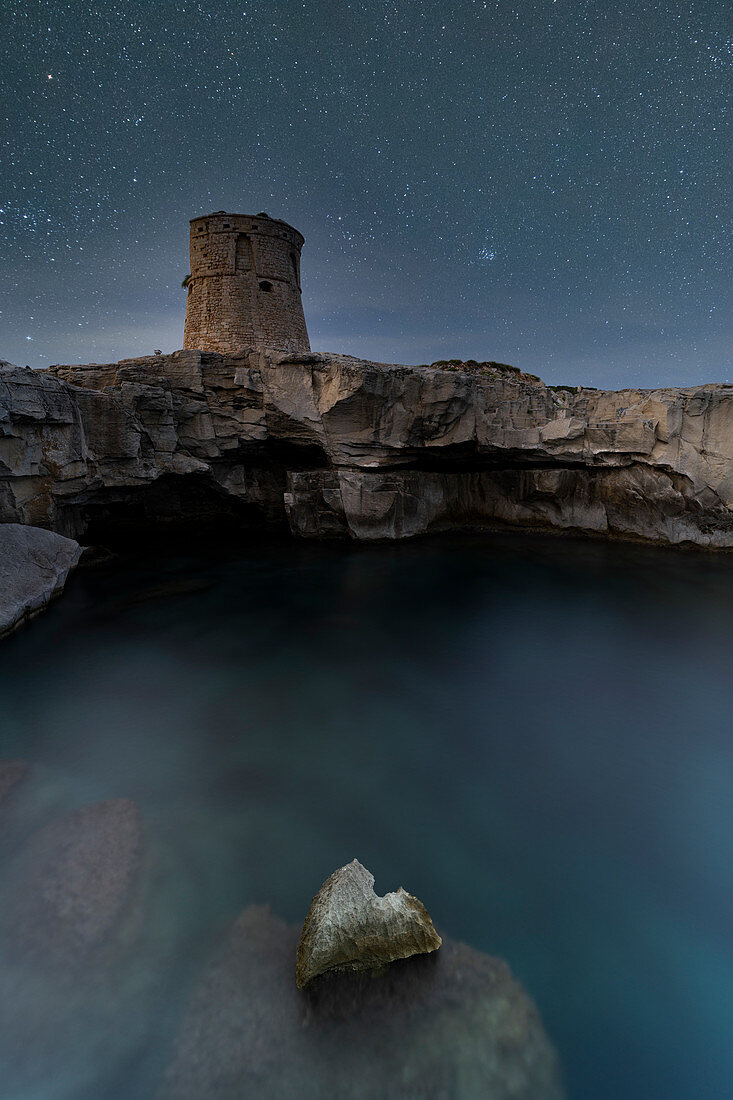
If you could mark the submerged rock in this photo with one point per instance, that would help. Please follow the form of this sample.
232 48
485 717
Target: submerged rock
34 567
82 960
11 773
452 1024
72 884
349 928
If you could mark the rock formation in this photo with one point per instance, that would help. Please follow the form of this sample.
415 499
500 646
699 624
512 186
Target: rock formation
349 928
34 567
327 445
451 1024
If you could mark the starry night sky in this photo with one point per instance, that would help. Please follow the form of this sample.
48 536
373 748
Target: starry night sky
543 182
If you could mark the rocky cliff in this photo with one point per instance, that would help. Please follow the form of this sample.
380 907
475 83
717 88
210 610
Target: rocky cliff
327 445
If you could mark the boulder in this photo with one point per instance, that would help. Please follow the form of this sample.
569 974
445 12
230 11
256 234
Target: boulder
349 928
34 567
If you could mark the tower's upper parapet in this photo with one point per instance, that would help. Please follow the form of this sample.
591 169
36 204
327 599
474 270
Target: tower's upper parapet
244 286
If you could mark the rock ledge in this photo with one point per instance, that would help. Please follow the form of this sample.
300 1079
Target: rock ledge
332 446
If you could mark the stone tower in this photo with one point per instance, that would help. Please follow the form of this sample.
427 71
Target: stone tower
244 286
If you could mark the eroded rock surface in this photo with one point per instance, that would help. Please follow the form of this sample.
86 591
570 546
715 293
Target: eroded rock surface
328 445
349 928
452 1024
34 567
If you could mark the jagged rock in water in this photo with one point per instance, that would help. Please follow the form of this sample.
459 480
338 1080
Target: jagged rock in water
349 928
34 567
452 1024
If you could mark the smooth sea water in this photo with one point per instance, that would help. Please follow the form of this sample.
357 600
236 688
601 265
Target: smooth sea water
533 735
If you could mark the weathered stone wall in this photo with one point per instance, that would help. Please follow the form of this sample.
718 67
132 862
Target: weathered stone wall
244 288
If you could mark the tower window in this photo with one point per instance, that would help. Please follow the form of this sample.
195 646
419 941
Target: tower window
264 285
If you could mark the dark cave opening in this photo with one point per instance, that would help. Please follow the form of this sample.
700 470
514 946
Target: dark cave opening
174 506
242 496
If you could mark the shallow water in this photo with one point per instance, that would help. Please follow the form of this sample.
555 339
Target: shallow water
534 736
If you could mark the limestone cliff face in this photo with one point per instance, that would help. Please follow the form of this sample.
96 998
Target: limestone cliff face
334 446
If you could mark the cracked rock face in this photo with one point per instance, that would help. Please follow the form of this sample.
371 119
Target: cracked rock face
330 446
349 928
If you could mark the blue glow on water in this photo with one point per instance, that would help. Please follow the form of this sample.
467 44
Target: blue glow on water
532 735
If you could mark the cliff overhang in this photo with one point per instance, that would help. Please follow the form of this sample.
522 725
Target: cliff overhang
330 446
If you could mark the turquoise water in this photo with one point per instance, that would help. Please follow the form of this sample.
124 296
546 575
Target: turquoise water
534 736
